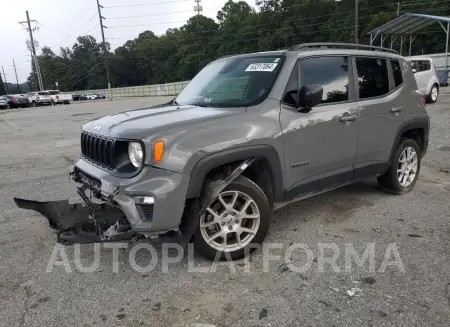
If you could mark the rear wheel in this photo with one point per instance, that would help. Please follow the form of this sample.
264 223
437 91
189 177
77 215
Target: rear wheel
235 223
434 93
33 104
405 168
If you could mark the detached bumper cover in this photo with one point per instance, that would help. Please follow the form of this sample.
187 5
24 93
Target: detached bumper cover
76 223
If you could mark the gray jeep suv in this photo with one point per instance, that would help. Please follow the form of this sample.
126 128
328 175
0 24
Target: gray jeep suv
249 134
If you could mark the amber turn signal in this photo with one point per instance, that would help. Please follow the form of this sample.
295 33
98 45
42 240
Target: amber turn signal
158 150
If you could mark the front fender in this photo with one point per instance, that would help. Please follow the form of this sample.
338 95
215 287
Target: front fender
206 164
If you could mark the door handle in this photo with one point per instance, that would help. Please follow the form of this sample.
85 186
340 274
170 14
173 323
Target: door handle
396 110
347 118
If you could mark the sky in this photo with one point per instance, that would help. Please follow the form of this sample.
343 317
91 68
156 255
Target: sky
60 22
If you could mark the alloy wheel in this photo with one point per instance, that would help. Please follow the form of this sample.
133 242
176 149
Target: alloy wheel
231 222
434 93
407 166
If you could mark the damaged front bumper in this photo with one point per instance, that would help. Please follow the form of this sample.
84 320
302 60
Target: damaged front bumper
115 209
77 223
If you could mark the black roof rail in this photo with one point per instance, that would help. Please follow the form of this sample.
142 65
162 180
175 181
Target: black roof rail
305 46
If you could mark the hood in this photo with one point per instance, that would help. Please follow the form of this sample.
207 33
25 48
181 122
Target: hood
139 123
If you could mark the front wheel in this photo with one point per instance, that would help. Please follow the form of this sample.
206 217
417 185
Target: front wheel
405 168
33 104
235 223
433 95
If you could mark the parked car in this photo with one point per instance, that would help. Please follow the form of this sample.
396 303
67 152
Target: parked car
425 74
41 98
76 97
59 98
3 102
91 96
100 96
86 96
248 135
16 101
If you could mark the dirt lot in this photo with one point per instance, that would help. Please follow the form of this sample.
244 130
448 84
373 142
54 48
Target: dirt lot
38 149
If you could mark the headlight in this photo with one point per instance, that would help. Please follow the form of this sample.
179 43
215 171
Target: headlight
135 154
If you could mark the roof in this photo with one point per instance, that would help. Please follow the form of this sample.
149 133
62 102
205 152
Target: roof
408 24
420 58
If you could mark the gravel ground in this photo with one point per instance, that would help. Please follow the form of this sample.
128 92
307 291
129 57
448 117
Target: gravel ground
38 149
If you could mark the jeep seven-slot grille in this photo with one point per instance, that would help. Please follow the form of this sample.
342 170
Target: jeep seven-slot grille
99 150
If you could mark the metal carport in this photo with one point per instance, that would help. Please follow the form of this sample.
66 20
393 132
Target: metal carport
405 26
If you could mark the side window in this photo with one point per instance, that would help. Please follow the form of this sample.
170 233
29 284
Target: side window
397 71
424 65
329 72
373 77
290 96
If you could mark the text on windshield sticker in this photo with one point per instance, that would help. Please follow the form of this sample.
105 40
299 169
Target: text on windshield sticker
267 67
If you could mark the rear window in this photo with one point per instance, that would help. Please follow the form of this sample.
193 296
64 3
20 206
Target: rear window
397 71
373 78
421 65
43 93
53 92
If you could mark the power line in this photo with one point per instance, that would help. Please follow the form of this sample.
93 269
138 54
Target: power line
146 4
143 25
154 14
70 35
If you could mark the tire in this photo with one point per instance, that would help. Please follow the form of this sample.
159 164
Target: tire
242 186
53 103
434 94
33 104
390 180
9 106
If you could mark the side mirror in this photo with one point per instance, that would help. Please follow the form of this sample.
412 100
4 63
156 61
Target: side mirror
310 96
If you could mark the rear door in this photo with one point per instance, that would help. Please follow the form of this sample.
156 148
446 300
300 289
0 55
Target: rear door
382 111
320 145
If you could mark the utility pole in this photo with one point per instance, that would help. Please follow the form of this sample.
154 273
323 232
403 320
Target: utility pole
33 50
108 79
17 80
198 7
398 9
6 82
356 21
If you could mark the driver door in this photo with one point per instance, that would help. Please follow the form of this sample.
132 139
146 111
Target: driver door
320 145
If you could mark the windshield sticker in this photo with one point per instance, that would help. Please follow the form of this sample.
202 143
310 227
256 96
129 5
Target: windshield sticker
267 67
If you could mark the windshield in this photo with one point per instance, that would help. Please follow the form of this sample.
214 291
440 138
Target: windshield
43 93
233 82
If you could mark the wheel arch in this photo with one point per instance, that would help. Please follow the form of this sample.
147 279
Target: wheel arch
417 129
267 162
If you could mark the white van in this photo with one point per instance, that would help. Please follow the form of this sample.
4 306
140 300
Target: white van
426 78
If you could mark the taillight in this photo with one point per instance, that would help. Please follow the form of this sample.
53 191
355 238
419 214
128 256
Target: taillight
13 99
57 97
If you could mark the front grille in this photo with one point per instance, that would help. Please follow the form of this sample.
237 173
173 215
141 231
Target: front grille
97 149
